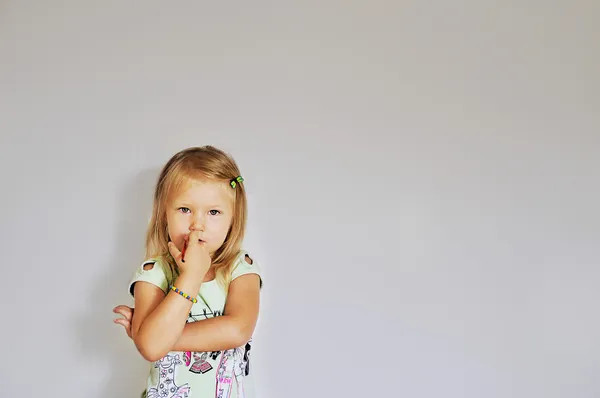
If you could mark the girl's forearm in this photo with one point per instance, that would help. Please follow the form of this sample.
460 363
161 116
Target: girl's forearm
213 334
162 328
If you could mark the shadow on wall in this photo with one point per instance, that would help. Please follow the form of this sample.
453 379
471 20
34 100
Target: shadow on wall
102 341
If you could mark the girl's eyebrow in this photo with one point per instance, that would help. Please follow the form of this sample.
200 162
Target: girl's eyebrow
189 204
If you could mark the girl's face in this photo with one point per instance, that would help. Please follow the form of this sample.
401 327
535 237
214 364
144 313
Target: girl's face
205 206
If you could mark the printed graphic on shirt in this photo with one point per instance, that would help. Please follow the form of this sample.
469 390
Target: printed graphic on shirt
166 387
233 366
198 362
229 366
200 365
246 361
206 313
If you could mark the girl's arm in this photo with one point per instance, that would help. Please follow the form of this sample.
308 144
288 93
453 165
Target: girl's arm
234 328
159 320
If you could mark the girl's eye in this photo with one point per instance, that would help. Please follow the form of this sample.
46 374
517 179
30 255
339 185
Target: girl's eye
184 210
214 212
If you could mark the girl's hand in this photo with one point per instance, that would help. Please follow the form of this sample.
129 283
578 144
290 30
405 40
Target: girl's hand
127 313
196 258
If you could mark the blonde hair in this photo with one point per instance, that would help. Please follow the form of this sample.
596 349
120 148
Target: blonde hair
198 163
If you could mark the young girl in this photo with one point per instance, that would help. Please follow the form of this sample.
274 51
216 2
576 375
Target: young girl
197 293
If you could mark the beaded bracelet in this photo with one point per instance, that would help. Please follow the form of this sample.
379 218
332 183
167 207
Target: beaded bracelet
186 296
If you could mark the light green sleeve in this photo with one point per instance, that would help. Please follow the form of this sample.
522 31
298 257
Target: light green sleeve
242 267
159 275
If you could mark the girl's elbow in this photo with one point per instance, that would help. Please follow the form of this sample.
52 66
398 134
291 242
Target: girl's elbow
150 352
241 336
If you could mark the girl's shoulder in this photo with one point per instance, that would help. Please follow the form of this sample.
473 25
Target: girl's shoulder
154 270
244 264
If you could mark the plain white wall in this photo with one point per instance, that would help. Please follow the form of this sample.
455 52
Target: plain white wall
423 184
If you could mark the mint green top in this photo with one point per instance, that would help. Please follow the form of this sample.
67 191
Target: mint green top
221 374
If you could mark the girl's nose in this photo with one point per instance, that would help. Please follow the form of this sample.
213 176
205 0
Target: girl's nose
197 225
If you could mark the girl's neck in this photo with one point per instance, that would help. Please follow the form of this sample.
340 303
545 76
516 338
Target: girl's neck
210 275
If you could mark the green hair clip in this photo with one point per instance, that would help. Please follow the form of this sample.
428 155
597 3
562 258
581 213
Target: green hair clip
234 182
